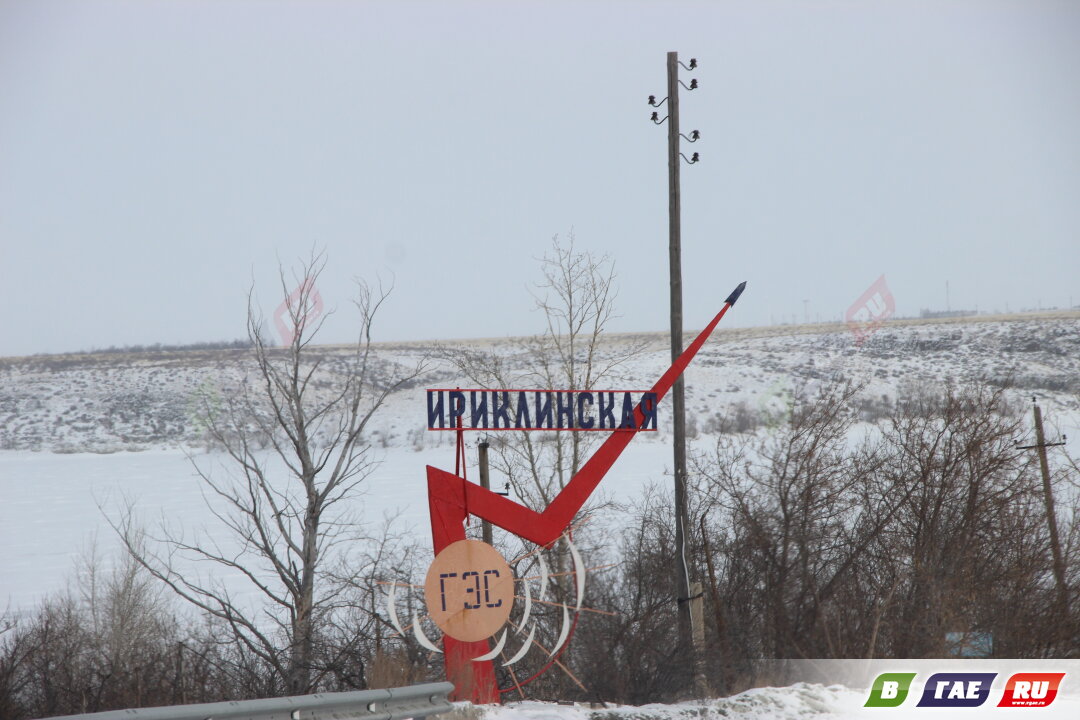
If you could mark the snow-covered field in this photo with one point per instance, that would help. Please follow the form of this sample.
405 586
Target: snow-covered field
85 436
57 506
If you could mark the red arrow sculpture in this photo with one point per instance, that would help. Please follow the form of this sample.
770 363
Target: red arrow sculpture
451 499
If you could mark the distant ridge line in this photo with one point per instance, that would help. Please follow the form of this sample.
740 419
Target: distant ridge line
734 333
767 330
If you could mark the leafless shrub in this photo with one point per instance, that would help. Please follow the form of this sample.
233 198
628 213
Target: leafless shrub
105 643
294 435
824 538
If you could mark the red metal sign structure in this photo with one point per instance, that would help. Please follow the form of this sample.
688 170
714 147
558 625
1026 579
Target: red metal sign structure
451 499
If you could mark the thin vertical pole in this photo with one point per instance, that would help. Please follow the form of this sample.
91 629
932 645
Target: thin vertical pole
178 692
459 452
678 397
485 482
697 615
1051 515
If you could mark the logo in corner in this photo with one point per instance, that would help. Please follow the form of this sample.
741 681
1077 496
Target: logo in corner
1031 689
957 690
890 690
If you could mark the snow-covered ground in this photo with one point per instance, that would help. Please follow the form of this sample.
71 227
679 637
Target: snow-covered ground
834 689
56 506
86 436
797 701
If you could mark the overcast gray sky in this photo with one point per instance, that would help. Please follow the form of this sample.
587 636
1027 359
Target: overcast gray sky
157 157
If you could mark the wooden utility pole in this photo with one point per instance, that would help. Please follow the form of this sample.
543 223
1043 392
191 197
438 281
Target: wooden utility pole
1051 514
678 396
683 595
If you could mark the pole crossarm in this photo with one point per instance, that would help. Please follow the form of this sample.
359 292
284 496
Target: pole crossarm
387 704
1042 445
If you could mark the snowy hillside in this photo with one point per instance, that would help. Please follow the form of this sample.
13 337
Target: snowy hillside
108 402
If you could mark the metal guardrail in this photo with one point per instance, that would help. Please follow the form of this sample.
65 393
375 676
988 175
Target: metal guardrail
416 701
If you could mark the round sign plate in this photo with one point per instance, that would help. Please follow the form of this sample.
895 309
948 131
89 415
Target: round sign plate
469 590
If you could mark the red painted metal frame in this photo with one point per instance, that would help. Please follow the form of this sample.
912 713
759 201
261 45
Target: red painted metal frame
451 500
522 429
527 390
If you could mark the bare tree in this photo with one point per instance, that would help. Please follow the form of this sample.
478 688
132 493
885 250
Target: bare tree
295 452
576 295
970 543
924 538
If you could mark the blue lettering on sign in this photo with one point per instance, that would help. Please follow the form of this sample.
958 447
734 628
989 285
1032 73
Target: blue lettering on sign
442 587
500 411
648 411
479 416
435 410
522 412
565 412
457 406
475 595
607 411
487 590
585 419
627 414
541 410
545 417
474 590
